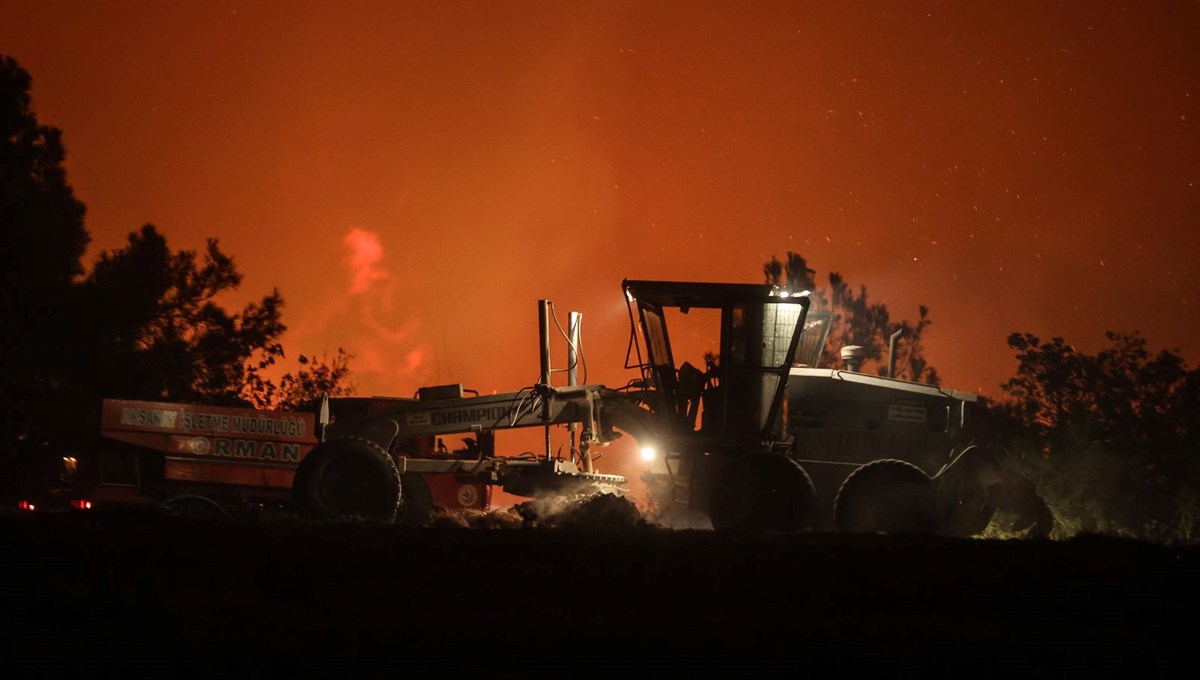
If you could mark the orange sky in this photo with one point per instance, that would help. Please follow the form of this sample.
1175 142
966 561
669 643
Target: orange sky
414 176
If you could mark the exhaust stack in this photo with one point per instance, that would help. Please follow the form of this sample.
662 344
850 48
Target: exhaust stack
853 355
892 351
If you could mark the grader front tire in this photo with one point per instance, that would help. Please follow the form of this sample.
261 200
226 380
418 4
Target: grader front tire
763 491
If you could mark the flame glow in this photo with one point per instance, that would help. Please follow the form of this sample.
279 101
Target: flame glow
366 253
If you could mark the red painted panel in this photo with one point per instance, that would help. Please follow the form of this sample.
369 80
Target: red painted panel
458 492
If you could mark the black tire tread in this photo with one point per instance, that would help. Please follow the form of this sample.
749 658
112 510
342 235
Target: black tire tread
304 485
739 472
416 501
866 474
962 489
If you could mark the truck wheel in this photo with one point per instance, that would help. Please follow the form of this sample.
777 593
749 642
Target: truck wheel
763 491
886 496
348 478
194 507
416 501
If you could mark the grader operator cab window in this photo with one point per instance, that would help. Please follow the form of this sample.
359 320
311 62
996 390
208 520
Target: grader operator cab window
759 338
657 347
738 391
696 348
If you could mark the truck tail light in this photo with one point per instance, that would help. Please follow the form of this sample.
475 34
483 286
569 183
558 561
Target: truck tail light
81 504
26 505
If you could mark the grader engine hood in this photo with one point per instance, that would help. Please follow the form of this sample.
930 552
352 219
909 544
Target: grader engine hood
856 418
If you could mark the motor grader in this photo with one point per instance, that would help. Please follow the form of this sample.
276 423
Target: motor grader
760 438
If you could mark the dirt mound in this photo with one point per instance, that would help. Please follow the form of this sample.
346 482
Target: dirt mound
477 519
598 512
602 512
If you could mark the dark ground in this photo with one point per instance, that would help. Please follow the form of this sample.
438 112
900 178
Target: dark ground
110 592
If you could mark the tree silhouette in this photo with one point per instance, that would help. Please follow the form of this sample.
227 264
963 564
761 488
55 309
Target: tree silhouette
1112 436
303 390
856 320
42 239
146 322
157 330
793 273
1123 397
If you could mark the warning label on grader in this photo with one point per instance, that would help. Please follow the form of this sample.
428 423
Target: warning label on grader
907 411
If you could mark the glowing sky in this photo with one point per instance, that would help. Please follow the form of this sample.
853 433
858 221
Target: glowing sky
414 176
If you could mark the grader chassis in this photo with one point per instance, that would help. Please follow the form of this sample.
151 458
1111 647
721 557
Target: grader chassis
759 439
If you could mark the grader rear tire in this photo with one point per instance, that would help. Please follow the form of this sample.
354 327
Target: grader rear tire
886 497
349 478
763 491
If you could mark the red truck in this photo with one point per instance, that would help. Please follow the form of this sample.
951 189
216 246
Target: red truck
212 460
